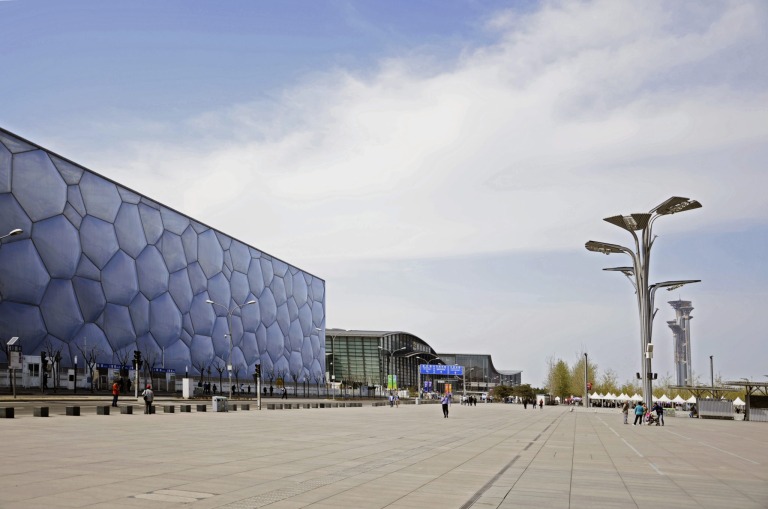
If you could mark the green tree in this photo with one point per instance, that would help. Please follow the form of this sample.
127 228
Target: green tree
560 380
609 382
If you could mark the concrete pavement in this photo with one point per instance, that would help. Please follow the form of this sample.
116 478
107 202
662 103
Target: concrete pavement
489 456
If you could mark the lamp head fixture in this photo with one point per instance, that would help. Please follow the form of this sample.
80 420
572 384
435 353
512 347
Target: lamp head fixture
603 247
674 205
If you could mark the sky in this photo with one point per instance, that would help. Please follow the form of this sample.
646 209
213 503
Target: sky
440 164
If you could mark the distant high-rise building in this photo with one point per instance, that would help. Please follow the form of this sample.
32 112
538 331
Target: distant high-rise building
681 329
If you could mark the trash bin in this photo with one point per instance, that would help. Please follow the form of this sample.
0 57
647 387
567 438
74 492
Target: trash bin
219 403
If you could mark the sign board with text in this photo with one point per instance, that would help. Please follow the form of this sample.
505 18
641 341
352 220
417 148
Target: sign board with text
442 370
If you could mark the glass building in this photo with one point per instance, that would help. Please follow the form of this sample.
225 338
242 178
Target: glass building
366 358
480 373
104 268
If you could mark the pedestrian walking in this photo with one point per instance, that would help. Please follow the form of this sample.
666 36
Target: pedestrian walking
285 394
115 393
625 411
391 400
149 396
659 413
445 401
541 404
397 401
638 414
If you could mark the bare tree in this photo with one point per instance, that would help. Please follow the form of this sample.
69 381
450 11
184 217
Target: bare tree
220 367
236 371
200 366
317 377
280 374
151 360
269 374
295 375
90 356
124 358
54 354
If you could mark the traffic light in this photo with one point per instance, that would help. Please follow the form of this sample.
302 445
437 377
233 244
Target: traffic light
44 361
257 372
137 359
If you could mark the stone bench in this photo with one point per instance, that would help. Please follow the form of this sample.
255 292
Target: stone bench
314 405
41 411
274 406
232 408
185 408
245 406
73 410
7 412
169 409
102 410
126 409
201 408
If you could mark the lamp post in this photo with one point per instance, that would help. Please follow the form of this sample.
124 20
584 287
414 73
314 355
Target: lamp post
391 353
229 328
16 231
712 371
586 383
638 273
333 354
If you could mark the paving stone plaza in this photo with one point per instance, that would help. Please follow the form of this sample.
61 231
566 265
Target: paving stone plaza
489 456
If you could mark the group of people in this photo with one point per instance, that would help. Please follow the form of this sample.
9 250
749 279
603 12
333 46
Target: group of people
643 414
469 400
527 402
394 400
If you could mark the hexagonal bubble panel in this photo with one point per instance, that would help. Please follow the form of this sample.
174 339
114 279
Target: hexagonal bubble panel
255 277
299 291
181 290
288 283
267 307
239 365
71 214
267 371
71 173
202 349
118 326
179 352
152 222
14 144
60 309
279 267
23 277
241 258
149 349
278 290
75 200
224 241
317 349
307 354
209 253
266 270
239 285
86 269
139 310
5 170
251 315
98 240
186 337
12 216
219 337
318 289
275 342
250 348
24 321
283 319
153 275
58 244
128 196
202 314
100 196
318 314
37 185
120 280
189 241
91 339
173 221
261 340
173 252
219 292
186 324
296 366
305 320
90 297
129 230
293 310
164 320
282 368
197 278
295 336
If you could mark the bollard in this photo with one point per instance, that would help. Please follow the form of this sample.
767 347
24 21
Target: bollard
185 408
126 409
232 408
102 410
41 411
201 408
169 409
7 412
73 410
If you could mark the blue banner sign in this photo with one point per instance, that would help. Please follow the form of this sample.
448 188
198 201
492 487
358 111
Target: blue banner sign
439 369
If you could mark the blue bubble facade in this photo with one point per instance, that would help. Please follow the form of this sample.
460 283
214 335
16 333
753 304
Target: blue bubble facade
103 265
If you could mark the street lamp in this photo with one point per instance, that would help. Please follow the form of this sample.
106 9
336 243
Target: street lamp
389 360
333 355
229 328
11 233
638 273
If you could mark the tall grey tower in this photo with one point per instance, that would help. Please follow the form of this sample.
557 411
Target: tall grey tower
681 329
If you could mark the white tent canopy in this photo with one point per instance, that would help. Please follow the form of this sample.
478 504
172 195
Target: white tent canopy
636 397
692 399
664 399
622 397
596 395
678 400
738 402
